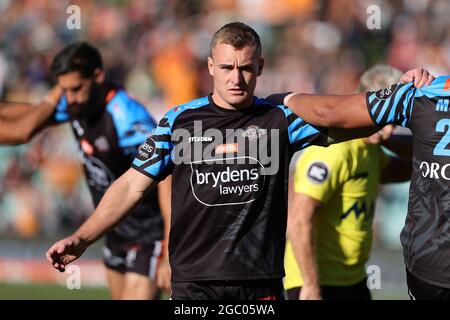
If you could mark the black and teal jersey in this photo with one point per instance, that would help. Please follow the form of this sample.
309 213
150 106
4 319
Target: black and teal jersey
230 186
108 143
426 234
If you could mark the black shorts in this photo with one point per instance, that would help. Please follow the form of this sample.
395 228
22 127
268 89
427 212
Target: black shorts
420 290
228 290
131 257
358 291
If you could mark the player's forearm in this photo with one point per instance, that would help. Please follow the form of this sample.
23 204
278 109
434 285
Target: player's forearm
347 111
118 200
26 119
38 117
14 110
21 129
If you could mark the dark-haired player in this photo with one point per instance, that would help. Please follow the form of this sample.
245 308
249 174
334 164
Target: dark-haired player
109 126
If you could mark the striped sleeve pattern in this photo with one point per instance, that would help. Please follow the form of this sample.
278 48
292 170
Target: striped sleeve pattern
302 134
154 155
391 105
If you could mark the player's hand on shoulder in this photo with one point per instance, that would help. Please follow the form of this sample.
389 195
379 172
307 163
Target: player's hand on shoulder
53 96
419 76
65 251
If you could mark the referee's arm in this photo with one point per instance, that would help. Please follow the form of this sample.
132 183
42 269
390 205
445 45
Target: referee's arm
301 234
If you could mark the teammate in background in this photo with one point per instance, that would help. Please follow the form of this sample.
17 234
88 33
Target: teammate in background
425 236
109 126
228 222
330 224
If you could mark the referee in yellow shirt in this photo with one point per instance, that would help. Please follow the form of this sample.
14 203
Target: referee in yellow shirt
330 224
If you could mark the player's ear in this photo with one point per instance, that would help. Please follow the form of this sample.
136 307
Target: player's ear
211 66
99 75
260 66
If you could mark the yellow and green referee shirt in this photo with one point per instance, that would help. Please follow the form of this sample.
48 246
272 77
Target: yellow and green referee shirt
344 178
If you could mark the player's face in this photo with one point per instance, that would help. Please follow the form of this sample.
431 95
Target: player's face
235 72
75 87
79 92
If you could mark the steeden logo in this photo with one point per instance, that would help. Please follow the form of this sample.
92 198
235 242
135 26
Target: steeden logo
200 139
253 132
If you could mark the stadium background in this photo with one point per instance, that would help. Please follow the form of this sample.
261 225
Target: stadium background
158 50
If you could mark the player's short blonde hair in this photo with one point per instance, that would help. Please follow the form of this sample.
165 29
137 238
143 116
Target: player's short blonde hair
238 35
378 77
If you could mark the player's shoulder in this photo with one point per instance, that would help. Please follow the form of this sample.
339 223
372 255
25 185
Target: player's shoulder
275 109
193 105
272 104
124 107
439 87
126 111
122 99
441 82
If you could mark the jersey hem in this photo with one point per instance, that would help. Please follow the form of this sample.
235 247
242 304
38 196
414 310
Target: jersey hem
135 167
427 280
228 278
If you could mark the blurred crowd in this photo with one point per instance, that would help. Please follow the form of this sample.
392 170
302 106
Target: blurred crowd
157 49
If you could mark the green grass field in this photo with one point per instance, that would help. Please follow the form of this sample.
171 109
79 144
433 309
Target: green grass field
50 292
56 292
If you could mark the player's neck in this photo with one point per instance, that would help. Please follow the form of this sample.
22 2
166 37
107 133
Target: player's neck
218 101
101 97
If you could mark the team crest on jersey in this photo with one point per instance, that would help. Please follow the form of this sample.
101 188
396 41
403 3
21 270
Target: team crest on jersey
146 150
102 144
253 132
318 172
385 93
